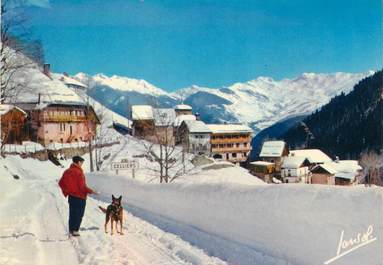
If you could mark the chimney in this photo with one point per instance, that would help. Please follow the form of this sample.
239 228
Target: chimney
198 116
47 69
337 159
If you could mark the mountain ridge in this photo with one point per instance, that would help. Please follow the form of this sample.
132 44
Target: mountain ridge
259 102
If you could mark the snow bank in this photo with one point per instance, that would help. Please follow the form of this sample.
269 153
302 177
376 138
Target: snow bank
295 224
234 175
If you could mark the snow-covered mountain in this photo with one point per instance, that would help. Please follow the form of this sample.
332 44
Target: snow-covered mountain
259 103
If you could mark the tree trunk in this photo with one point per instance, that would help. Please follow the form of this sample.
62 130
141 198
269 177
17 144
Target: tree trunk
90 155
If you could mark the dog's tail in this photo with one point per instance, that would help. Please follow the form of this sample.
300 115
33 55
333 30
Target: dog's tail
102 209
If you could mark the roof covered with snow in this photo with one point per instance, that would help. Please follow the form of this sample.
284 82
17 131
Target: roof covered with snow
179 119
312 155
31 83
326 167
293 161
49 90
118 119
229 128
142 112
346 169
164 117
5 108
196 126
183 107
272 149
261 163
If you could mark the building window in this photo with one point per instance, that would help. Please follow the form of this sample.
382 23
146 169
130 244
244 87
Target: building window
62 127
234 154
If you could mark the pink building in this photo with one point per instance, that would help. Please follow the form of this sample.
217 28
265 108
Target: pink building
61 123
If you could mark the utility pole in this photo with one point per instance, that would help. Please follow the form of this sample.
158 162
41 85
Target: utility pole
89 132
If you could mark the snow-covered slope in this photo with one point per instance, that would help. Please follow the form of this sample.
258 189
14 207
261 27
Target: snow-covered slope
33 226
259 103
206 217
264 101
119 93
248 224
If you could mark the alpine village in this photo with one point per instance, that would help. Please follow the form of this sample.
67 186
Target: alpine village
46 127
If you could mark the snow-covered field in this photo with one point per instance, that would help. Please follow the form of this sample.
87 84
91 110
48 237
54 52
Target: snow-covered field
259 224
212 216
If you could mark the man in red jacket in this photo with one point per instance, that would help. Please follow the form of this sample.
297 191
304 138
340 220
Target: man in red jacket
73 185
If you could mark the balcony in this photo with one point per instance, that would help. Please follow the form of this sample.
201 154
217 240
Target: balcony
64 118
230 140
231 149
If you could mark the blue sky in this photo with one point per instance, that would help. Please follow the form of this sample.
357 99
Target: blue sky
177 43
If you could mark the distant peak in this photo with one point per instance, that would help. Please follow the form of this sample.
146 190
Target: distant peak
308 75
265 79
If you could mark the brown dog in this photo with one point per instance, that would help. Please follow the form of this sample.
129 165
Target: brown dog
114 212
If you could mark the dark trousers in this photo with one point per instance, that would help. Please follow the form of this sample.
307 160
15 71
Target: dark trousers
76 212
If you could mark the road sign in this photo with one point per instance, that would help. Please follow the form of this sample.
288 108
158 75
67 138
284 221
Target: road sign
125 164
133 164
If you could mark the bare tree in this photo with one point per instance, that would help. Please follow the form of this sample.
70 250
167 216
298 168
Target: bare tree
18 50
372 164
101 135
159 144
18 53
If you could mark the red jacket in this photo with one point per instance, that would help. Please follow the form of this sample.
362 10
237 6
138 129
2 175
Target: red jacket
73 182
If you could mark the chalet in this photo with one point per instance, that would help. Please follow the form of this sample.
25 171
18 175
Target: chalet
295 169
143 121
163 123
273 152
13 120
183 109
313 156
153 124
231 142
262 169
194 137
323 174
339 172
184 117
60 122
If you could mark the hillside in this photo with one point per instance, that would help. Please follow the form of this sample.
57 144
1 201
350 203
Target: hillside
349 124
273 132
259 103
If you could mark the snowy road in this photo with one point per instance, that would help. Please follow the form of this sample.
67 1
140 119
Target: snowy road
33 228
